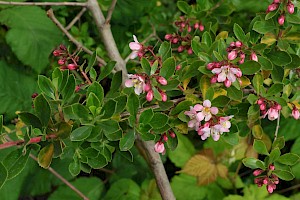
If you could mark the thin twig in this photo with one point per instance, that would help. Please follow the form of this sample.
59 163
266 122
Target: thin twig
76 18
277 126
43 3
65 181
110 11
71 38
288 189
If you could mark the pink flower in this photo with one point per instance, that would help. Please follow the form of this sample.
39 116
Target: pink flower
159 147
290 8
215 132
201 27
232 55
192 114
227 72
227 83
238 44
206 111
135 47
204 131
253 57
281 19
137 82
225 123
295 113
272 114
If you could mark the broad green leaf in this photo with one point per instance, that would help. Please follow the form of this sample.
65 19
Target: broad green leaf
92 100
265 63
268 39
63 130
204 85
74 168
257 82
69 89
159 120
30 119
288 159
92 61
121 103
250 67
295 62
253 163
146 116
42 109
125 189
109 126
220 101
32 35
57 78
15 162
274 155
184 7
257 131
98 162
264 26
234 94
127 140
116 82
253 116
239 33
192 70
165 50
45 156
97 89
277 74
275 89
292 37
182 106
284 175
206 39
106 70
146 66
108 109
80 111
3 175
132 104
279 143
168 68
46 86
81 133
280 58
260 147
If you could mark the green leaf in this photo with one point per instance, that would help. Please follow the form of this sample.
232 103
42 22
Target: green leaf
154 68
97 89
69 89
239 33
165 50
284 175
45 156
80 111
127 140
74 168
257 82
91 187
108 109
205 85
46 86
92 100
275 89
64 130
92 61
288 159
182 106
234 94
265 63
264 26
274 155
295 62
81 133
26 24
146 66
124 189
121 103
280 58
292 37
98 162
168 68
172 143
146 116
253 163
220 101
109 126
159 120
116 82
278 143
277 74
192 70
15 162
250 67
106 70
42 109
133 104
260 147
184 7
30 119
3 175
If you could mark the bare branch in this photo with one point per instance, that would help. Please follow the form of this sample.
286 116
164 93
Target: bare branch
76 18
43 3
107 38
110 11
71 38
65 181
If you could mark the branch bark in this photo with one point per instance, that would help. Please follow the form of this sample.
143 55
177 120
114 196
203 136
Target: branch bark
110 11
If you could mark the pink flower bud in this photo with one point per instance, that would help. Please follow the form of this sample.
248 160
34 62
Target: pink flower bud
258 172
253 57
272 114
190 51
277 107
62 47
272 7
227 83
196 26
149 95
168 36
77 88
281 19
159 147
165 137
162 80
232 44
147 87
214 79
270 189
239 73
232 55
163 96
201 27
210 66
56 52
260 101
238 44
34 95
276 1
180 48
189 29
266 181
182 25
290 8
262 106
271 167
72 66
61 61
172 134
175 40
295 113
178 67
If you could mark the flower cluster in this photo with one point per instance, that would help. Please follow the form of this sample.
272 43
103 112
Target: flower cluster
66 60
185 24
289 7
236 49
270 108
159 146
224 72
269 180
183 41
213 125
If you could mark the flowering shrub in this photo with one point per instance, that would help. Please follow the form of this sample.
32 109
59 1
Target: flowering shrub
214 94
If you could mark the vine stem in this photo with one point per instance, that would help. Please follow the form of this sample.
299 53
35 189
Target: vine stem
65 181
43 3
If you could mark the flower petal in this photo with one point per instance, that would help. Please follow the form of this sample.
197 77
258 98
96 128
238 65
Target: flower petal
207 103
200 116
134 46
133 55
198 107
129 83
222 76
135 39
214 110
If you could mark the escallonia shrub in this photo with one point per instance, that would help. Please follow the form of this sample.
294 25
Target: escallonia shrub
203 81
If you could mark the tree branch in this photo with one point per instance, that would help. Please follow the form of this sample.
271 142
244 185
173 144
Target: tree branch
110 11
43 3
107 38
76 18
65 181
158 169
71 38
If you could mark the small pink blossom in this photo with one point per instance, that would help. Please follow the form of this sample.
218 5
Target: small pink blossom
242 58
162 80
149 95
232 55
201 27
258 172
163 96
227 83
290 8
272 114
272 7
227 72
137 82
159 147
193 123
253 57
295 113
135 47
238 44
206 111
281 19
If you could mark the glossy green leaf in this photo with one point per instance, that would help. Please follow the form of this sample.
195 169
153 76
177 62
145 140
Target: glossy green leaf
30 119
257 82
182 106
260 147
146 116
239 33
125 189
274 155
250 67
42 109
108 109
146 66
91 62
184 7
275 89
46 86
116 82
295 62
288 159
278 143
63 130
97 89
133 104
81 133
69 89
98 162
284 175
109 126
220 101
165 50
74 168
168 68
280 58
159 120
106 70
253 163
3 175
277 74
127 140
264 26
234 94
15 162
